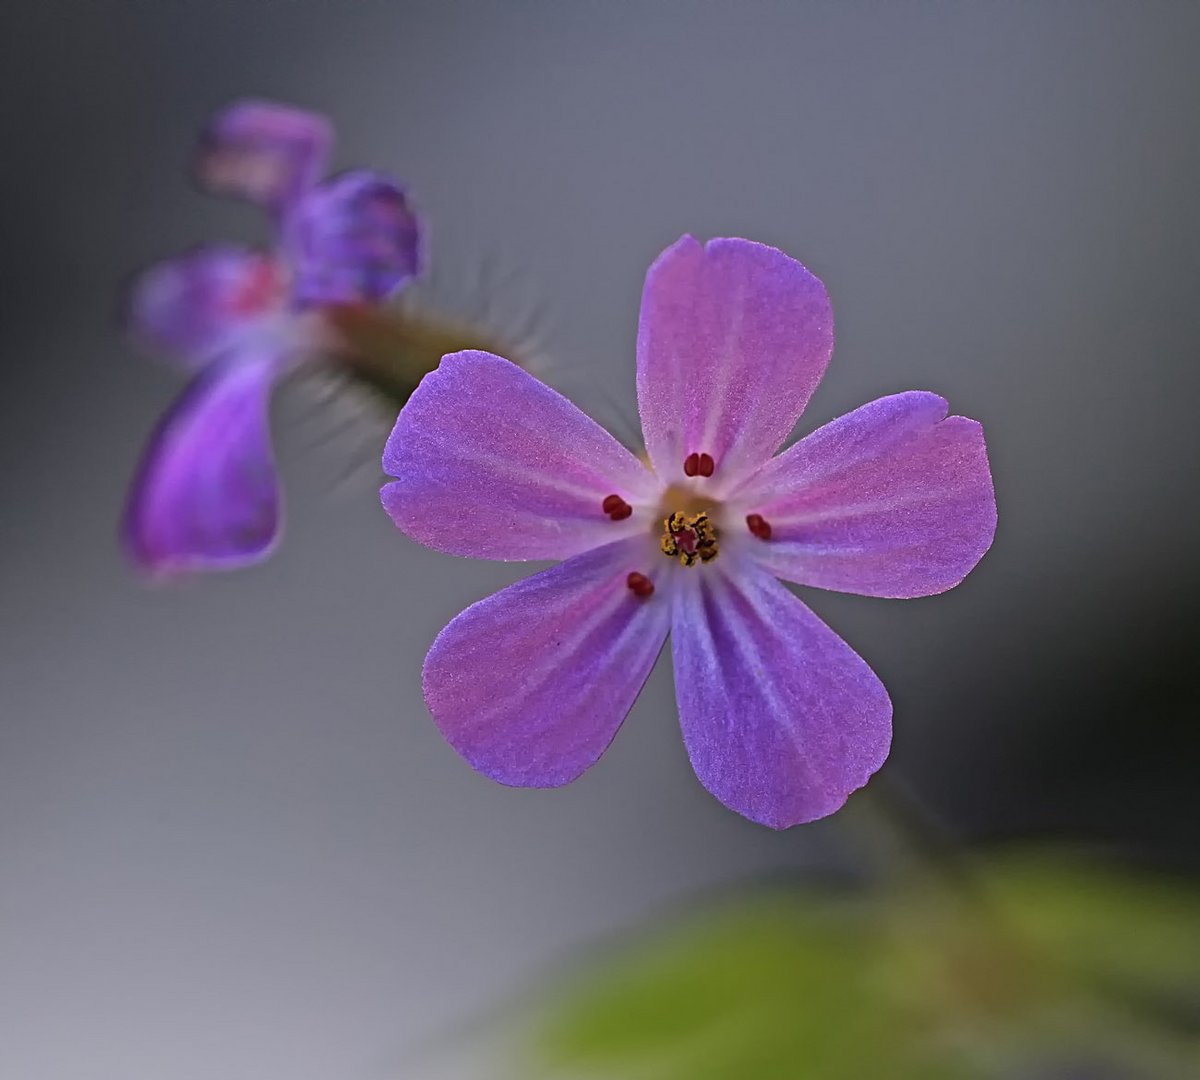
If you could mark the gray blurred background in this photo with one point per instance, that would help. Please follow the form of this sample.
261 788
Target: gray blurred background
231 841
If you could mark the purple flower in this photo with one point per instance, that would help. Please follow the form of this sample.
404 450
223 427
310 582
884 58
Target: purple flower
782 720
206 494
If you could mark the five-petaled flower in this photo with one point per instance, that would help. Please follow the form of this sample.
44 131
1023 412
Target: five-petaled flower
781 719
206 494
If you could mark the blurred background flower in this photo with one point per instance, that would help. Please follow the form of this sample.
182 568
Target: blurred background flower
205 495
233 842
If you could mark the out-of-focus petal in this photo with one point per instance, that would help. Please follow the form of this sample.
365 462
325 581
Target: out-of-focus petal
781 718
733 339
531 684
353 239
893 499
206 494
491 463
196 304
264 152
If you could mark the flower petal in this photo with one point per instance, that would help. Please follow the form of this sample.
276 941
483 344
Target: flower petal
206 494
492 463
531 684
264 152
894 499
733 339
781 718
195 304
353 239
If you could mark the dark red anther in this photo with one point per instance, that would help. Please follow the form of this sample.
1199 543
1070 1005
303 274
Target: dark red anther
759 526
616 507
691 465
706 465
639 584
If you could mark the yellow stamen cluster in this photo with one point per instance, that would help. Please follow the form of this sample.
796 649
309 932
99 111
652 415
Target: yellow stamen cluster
690 538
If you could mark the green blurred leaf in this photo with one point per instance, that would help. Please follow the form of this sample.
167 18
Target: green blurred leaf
1102 922
773 988
927 980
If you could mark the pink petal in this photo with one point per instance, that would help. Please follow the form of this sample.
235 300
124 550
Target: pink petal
492 463
781 718
893 499
206 495
531 684
733 339
196 304
263 152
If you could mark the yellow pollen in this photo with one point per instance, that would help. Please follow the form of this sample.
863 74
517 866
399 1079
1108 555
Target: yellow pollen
690 538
